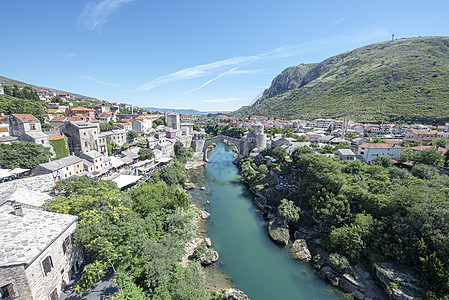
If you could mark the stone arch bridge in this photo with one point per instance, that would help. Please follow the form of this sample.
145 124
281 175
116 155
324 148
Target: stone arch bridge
238 143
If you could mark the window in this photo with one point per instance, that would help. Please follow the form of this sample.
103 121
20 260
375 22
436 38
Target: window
66 243
7 292
47 265
32 127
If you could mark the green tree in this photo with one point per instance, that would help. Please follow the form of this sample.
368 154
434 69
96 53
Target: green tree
424 171
350 135
279 153
23 154
410 143
106 126
383 161
440 142
145 153
288 211
430 157
131 135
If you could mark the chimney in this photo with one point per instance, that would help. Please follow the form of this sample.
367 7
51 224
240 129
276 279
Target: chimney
18 210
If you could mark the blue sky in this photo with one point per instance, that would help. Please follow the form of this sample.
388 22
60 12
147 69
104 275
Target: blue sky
207 55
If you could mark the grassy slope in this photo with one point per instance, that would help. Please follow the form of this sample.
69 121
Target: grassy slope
396 81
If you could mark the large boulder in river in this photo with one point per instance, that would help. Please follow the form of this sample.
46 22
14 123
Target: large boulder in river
278 232
234 294
300 251
209 257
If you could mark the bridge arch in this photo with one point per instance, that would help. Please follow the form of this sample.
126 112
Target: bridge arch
238 143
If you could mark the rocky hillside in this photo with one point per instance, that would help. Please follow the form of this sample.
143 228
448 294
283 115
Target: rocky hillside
403 80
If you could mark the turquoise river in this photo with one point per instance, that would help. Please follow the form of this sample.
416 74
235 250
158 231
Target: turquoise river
258 267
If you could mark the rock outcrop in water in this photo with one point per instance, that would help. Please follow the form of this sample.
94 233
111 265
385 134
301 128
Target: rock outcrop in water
234 294
209 257
279 232
300 251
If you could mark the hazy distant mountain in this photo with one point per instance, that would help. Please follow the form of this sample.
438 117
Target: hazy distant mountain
9 81
183 111
404 80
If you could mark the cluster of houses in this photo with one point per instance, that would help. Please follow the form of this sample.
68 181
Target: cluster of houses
38 258
322 132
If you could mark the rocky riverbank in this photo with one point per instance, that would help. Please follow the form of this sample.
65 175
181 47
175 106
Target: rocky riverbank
200 247
355 280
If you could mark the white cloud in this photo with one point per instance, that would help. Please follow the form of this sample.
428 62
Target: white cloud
222 100
96 14
106 83
336 22
347 39
210 81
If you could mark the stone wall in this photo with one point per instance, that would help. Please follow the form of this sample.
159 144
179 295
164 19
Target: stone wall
42 285
16 276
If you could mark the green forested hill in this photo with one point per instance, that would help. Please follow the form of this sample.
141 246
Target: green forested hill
403 80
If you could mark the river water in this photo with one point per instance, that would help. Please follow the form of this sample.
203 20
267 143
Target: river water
258 267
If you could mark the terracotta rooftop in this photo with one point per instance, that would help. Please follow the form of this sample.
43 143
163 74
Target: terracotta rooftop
380 146
421 148
25 117
58 119
80 108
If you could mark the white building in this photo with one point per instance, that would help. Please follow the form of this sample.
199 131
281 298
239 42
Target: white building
142 124
370 151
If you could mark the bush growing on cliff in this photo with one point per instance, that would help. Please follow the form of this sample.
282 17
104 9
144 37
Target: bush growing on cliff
288 211
338 262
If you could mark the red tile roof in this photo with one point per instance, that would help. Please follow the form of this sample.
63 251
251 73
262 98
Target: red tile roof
80 108
25 117
380 146
58 119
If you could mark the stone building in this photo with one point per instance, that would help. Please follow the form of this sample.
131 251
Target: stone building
142 124
86 114
82 136
62 168
198 140
37 137
116 136
94 159
172 120
255 140
19 124
37 254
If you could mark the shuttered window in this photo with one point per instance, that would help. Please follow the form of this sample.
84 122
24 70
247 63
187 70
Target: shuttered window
47 265
7 292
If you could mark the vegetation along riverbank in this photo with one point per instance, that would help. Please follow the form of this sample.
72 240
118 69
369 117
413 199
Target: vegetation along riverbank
362 226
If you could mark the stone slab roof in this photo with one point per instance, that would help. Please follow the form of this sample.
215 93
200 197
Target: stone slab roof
61 163
41 183
36 134
24 237
24 196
